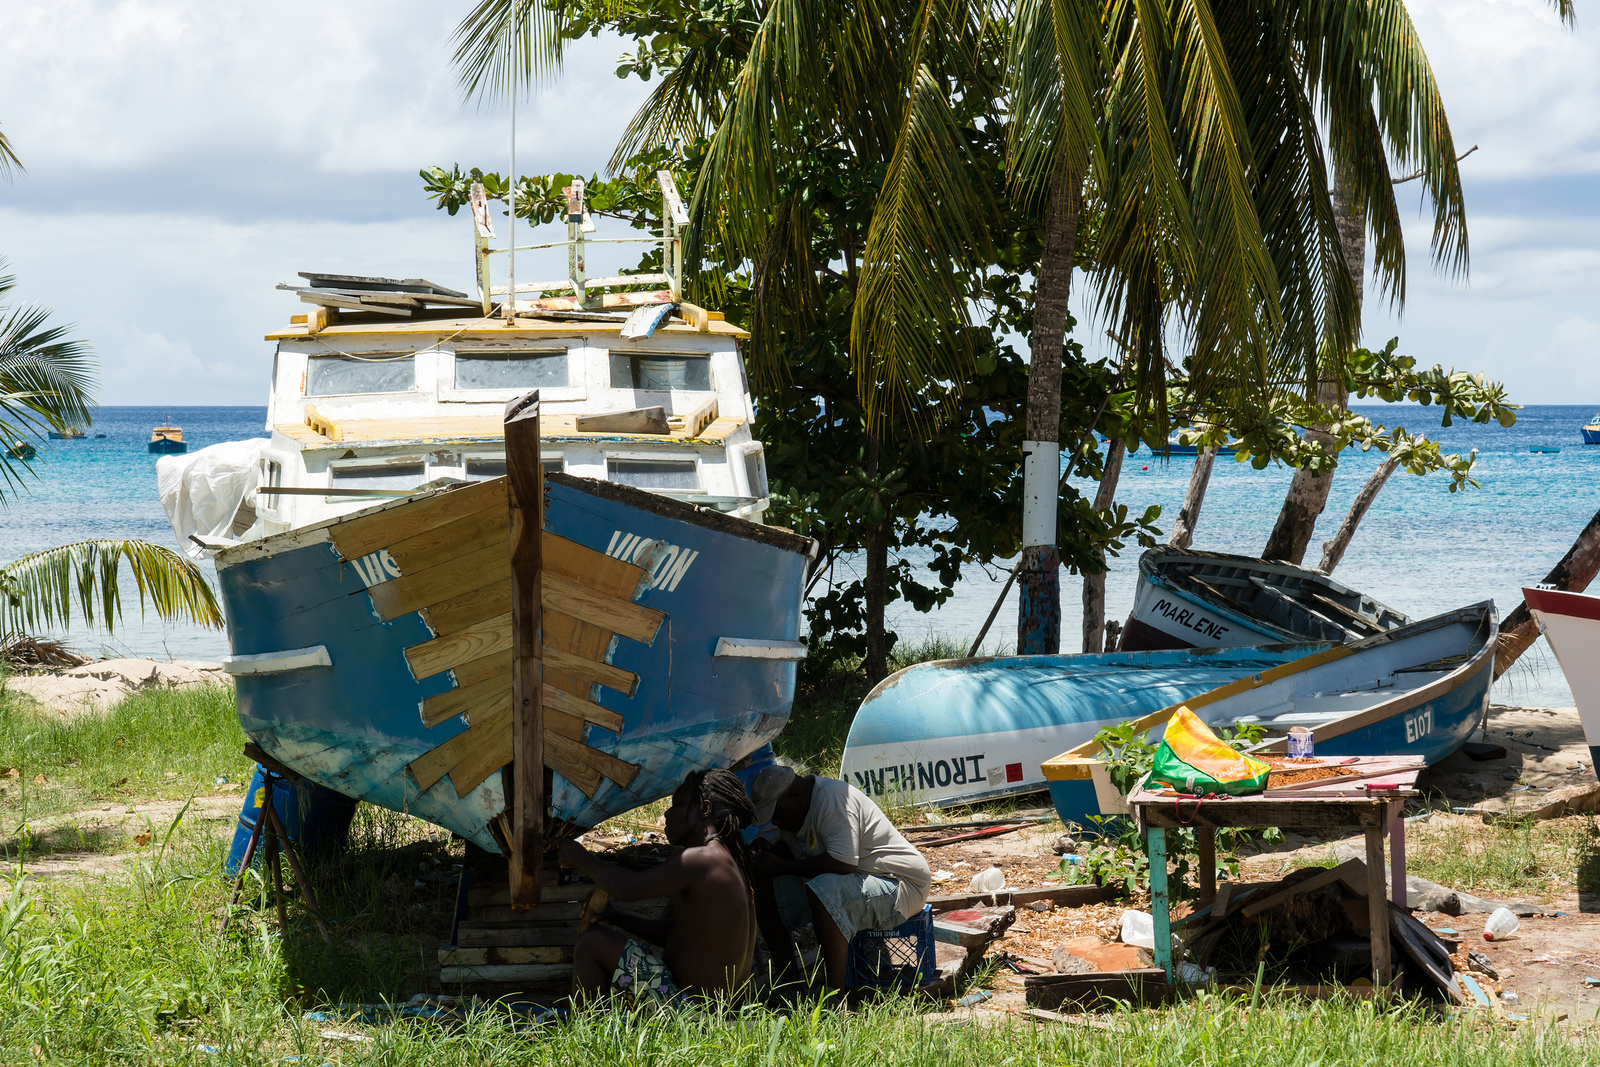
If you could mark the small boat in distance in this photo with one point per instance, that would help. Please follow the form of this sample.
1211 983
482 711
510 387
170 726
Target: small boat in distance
23 450
1177 448
1543 448
1190 599
1420 690
1591 432
1571 623
167 438
71 433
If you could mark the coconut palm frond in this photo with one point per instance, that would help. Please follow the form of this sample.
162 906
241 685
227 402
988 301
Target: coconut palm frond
927 229
503 46
9 163
1056 66
41 590
685 105
47 382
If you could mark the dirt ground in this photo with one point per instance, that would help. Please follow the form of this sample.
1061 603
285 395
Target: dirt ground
107 837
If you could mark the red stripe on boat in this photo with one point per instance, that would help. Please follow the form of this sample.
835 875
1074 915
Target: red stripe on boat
1559 602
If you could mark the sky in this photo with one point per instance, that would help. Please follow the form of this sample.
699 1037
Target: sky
183 157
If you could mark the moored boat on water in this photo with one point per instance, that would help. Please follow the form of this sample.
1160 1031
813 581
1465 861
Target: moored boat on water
366 565
1192 599
1571 623
970 730
1419 690
71 433
167 439
1591 431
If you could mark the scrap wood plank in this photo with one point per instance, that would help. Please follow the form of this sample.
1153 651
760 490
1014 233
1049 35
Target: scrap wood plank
454 956
470 607
520 934
473 530
477 752
500 893
505 972
563 911
526 800
361 536
440 654
1350 872
562 634
1066 896
1141 986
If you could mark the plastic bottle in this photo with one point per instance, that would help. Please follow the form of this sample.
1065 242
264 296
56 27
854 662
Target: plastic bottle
1501 925
1139 930
991 880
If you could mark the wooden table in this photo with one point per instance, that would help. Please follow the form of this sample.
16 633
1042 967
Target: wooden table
1376 803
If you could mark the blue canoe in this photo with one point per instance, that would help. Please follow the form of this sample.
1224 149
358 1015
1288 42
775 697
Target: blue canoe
372 652
1192 599
1420 690
969 730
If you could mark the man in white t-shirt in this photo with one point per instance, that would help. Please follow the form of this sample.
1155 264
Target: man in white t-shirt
839 863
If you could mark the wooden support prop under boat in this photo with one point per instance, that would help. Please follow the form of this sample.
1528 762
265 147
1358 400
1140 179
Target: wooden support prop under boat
525 477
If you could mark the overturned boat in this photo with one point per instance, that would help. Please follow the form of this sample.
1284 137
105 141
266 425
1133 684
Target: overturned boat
365 558
1571 623
1190 599
962 731
1419 690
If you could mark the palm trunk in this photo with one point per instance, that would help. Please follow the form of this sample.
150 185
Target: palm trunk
1039 570
1333 551
1189 515
1308 493
1574 573
1094 585
876 663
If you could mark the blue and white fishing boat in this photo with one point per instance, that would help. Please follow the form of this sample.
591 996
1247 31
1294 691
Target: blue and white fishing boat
365 568
1192 599
961 731
1591 431
1571 623
1420 690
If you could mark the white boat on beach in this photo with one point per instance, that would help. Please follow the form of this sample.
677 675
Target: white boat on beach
1571 623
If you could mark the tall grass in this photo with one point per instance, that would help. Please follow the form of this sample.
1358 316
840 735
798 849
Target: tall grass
1510 856
163 744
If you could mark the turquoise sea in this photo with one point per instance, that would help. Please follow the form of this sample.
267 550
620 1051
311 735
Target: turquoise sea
1421 549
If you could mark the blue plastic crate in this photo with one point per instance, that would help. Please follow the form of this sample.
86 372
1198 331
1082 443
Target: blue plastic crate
899 958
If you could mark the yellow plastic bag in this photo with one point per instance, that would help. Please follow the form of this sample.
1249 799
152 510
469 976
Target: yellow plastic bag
1193 759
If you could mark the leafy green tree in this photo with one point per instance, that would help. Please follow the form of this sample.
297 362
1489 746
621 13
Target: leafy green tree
47 383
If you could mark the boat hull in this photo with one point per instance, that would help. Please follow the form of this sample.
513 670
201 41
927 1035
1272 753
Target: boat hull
1171 608
1591 435
354 725
971 730
167 446
1571 623
1451 656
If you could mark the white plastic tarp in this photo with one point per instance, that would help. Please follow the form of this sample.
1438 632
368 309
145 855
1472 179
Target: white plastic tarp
202 490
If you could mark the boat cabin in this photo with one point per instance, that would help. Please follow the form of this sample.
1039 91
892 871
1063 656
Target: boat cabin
376 393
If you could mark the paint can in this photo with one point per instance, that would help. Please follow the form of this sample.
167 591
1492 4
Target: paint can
316 818
1300 743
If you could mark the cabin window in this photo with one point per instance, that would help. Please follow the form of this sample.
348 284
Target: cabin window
755 472
397 476
661 371
654 473
479 470
380 372
512 369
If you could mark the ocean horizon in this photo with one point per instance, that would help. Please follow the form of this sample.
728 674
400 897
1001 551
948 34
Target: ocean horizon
1421 549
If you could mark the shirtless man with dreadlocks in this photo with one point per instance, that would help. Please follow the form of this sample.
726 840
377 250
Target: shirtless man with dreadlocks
707 938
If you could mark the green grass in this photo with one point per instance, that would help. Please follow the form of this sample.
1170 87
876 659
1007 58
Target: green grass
132 970
1527 856
160 745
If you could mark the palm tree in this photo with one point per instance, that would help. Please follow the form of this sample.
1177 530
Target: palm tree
884 79
47 382
8 158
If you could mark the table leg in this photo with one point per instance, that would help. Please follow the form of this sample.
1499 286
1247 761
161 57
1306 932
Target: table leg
1397 854
1206 838
1160 899
1377 907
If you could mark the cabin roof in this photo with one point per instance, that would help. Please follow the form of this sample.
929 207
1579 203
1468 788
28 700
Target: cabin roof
478 327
